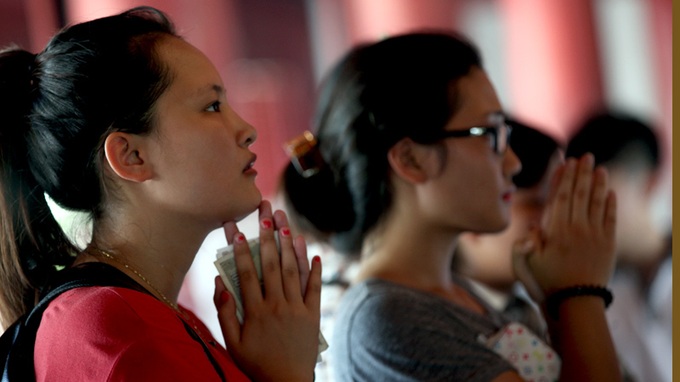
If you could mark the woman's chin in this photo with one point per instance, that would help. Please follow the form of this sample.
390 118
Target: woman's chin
498 225
243 209
250 206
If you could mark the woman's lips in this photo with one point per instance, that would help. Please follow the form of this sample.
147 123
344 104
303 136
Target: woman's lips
507 195
250 167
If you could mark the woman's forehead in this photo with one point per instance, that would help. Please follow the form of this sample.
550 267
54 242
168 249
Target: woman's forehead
476 99
191 70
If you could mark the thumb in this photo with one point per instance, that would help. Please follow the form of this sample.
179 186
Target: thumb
226 314
522 251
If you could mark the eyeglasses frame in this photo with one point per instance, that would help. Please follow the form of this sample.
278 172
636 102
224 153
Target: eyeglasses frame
477 131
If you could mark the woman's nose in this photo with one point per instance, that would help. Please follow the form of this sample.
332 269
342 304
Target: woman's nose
511 163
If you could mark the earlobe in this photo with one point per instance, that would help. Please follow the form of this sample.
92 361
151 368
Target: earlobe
404 159
125 155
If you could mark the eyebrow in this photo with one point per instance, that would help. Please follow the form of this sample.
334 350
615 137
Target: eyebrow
217 89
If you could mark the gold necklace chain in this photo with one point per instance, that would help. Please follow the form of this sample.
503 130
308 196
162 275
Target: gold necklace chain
158 292
183 316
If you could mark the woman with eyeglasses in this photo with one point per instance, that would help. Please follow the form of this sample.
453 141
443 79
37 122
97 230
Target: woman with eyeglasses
411 150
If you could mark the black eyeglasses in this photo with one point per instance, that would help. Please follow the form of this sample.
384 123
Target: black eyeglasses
500 135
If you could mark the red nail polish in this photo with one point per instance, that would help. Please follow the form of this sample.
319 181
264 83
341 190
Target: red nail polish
285 231
316 259
267 223
224 297
240 238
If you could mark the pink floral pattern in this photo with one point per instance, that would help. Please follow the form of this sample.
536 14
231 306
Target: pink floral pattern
534 360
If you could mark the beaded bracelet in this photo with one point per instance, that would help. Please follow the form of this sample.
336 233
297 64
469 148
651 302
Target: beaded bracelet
555 299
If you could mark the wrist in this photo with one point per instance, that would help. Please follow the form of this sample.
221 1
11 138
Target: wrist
555 299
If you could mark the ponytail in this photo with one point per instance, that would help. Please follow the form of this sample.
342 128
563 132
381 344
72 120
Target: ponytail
91 79
321 205
32 244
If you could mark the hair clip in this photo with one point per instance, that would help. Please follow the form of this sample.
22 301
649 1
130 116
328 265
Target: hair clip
304 154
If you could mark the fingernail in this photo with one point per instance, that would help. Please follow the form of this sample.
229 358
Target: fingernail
239 238
316 259
590 158
526 246
285 231
266 223
224 297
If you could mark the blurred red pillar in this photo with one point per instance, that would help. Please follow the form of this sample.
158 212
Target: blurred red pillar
661 39
42 20
553 62
212 27
338 25
661 23
375 19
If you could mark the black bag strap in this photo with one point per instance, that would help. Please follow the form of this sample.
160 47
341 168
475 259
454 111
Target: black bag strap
17 343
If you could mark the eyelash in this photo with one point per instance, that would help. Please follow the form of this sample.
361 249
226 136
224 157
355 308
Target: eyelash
215 105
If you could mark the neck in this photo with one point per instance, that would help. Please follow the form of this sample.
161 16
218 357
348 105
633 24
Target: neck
122 265
410 250
407 250
155 251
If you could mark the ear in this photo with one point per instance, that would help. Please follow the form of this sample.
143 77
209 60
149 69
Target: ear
126 157
405 159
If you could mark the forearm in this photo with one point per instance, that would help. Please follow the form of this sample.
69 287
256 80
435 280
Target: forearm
581 337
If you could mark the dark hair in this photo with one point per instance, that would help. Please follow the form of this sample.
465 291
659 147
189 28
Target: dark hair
58 107
616 138
534 150
375 96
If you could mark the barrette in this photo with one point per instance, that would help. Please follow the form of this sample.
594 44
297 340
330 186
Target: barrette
304 154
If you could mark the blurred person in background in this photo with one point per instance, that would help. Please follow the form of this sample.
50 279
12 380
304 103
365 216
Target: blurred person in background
641 317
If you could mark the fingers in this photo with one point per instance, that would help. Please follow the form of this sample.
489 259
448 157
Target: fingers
577 237
282 274
598 198
559 209
230 230
265 210
522 250
280 219
296 260
581 198
284 268
580 195
226 313
251 292
289 267
269 254
610 214
313 291
302 262
555 180
603 204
